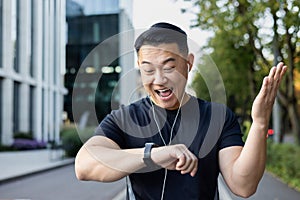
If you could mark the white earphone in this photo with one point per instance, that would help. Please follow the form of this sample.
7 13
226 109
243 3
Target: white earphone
189 66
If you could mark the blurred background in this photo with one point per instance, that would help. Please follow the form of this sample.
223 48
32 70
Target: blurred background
47 55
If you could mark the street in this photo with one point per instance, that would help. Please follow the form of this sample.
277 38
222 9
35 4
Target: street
59 184
269 188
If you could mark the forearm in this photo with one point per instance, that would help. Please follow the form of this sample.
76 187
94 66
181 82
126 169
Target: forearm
250 165
106 164
243 168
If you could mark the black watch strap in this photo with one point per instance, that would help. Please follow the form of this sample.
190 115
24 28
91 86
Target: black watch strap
147 155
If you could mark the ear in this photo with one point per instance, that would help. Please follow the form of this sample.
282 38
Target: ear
138 63
190 60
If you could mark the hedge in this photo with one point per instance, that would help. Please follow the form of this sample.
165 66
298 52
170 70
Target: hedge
283 161
72 139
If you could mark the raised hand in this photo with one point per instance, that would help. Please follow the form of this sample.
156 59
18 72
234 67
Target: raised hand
263 103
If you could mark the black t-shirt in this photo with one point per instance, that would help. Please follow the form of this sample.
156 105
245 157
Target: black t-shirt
204 127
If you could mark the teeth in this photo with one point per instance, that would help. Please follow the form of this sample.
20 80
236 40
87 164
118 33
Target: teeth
164 90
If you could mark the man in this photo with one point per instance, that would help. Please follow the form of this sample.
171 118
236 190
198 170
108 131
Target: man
170 144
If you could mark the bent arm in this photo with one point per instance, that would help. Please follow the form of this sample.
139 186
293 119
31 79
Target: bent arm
101 159
243 167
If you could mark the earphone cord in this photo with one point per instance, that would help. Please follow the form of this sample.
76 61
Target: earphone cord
154 117
171 135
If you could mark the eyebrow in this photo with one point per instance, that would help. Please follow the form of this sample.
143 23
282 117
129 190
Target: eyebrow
169 60
164 62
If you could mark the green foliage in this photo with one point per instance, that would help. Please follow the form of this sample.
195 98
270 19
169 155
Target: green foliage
246 35
245 129
72 139
283 161
7 148
242 49
23 135
202 78
71 143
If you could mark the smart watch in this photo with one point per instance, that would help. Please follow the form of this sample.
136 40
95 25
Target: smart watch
147 154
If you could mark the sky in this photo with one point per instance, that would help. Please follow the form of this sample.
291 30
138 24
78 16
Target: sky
148 12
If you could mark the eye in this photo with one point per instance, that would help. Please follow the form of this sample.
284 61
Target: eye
148 70
169 68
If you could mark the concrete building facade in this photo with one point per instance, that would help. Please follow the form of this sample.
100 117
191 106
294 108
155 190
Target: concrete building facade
32 64
100 59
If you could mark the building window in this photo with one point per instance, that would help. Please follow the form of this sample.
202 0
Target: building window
16 108
14 32
31 70
46 42
54 112
44 138
1 96
29 37
31 107
55 35
1 46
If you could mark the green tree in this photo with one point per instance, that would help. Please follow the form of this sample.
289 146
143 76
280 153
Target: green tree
249 36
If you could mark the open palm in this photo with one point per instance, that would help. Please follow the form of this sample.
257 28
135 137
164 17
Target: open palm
263 103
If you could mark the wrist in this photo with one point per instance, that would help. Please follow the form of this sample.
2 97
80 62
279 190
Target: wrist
263 126
259 129
147 158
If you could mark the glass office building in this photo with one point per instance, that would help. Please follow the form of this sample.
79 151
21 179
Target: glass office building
32 63
94 64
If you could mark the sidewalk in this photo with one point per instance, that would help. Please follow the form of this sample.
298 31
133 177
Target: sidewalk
269 188
20 163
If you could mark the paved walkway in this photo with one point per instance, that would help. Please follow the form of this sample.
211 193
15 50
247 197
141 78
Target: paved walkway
269 188
19 163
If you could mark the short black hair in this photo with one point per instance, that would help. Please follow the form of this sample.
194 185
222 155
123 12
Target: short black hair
163 33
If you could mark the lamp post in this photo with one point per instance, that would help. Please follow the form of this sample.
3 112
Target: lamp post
276 116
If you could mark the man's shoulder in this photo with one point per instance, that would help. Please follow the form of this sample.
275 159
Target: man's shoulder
142 103
207 104
132 108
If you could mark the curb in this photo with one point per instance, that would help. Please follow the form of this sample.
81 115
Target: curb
36 171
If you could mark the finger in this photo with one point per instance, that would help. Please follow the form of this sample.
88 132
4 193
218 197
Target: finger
278 71
272 74
264 88
283 71
181 162
195 169
189 163
184 166
191 168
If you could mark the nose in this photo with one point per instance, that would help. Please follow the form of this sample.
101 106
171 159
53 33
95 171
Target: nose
159 78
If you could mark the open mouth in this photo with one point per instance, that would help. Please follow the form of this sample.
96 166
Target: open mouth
164 92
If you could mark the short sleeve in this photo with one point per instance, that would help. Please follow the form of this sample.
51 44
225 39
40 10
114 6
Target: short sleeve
109 128
231 134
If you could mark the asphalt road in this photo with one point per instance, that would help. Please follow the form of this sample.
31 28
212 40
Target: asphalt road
61 184
269 188
58 184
